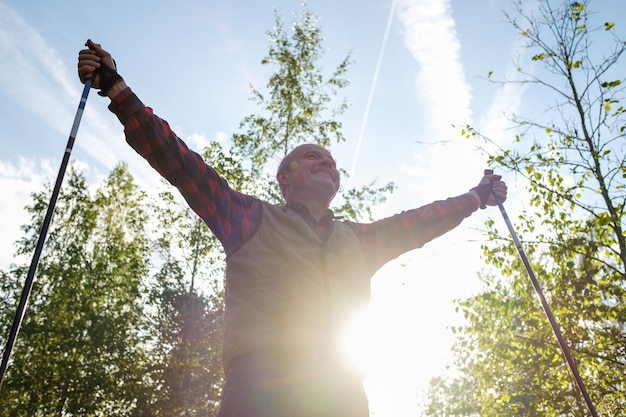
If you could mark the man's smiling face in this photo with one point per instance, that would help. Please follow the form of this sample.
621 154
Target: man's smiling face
310 172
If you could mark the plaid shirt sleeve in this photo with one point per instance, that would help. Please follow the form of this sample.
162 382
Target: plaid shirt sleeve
232 216
388 238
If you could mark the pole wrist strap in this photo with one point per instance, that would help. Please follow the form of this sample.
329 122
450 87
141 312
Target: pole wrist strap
483 191
108 78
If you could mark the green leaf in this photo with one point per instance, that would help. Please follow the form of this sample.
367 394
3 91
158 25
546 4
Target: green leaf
539 57
508 361
604 219
611 84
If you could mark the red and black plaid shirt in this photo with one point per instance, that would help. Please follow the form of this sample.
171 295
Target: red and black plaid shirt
234 217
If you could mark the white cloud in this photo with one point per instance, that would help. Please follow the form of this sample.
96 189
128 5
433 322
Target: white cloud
36 71
39 83
449 167
431 37
198 141
17 182
496 123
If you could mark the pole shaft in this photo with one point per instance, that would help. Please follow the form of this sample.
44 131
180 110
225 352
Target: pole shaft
549 315
26 290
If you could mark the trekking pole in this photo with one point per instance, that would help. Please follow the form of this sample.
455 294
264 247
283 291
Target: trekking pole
21 309
546 308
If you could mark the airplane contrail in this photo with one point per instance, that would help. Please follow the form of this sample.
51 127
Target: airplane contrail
371 93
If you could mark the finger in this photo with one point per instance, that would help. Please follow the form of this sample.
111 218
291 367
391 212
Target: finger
490 179
93 46
88 54
501 186
97 49
88 63
86 69
91 52
104 57
85 74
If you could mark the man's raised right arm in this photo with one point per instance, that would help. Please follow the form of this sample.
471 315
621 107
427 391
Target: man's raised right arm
206 192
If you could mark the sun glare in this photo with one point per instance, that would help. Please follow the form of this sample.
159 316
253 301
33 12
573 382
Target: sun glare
394 342
371 338
358 342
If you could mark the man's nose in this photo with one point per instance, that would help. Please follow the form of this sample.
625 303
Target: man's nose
328 162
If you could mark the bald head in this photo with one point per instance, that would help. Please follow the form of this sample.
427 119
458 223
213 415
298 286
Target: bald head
286 163
313 157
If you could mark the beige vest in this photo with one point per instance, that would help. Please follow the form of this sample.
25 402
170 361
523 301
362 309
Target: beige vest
287 291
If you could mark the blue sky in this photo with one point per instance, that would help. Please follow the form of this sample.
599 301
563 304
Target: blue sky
193 62
418 70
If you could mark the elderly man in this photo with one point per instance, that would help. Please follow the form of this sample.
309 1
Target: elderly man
295 273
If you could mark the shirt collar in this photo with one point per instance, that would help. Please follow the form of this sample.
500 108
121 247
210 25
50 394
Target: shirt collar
303 210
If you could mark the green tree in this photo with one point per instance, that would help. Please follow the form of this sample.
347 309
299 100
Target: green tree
573 160
187 299
79 350
299 107
298 98
114 351
186 374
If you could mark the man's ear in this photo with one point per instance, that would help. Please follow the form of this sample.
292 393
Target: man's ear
282 178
